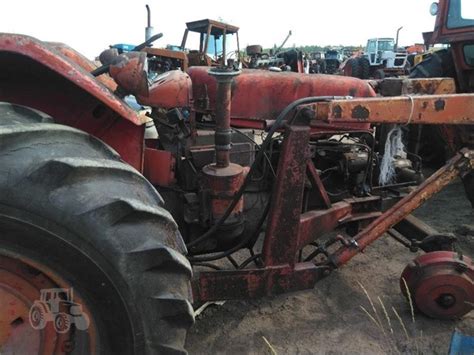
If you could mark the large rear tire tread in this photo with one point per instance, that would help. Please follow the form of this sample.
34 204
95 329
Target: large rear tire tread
364 68
353 67
74 180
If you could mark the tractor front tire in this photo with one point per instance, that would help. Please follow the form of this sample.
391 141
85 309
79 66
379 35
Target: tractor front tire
74 215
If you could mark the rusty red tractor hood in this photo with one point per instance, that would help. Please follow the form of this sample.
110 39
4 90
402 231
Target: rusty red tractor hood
259 96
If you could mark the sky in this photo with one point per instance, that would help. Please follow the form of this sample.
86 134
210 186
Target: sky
91 26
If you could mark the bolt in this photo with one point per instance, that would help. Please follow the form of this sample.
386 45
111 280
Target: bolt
461 268
446 300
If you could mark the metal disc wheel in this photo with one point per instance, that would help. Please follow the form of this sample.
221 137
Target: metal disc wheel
24 326
441 284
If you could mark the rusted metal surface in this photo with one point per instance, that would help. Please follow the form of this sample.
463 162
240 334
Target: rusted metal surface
223 134
462 163
428 86
443 34
317 127
314 224
280 244
430 109
413 227
315 180
159 167
20 285
441 284
168 53
418 86
42 54
67 93
83 62
224 179
253 283
169 90
255 95
71 106
223 183
129 72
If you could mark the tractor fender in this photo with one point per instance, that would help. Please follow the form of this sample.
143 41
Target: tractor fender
54 79
67 63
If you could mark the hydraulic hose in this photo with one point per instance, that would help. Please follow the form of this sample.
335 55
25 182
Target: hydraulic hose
260 155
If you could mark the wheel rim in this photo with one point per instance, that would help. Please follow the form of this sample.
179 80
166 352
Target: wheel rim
20 284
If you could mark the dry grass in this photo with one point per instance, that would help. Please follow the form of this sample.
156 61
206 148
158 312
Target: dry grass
401 323
270 347
389 321
410 302
400 338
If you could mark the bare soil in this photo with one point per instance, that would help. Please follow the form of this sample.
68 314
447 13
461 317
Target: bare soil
329 318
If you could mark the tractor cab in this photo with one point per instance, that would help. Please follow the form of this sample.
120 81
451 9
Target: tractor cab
55 297
383 52
455 27
215 39
59 294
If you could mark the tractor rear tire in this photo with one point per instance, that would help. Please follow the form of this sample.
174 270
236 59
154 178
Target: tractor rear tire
352 68
364 68
74 213
439 64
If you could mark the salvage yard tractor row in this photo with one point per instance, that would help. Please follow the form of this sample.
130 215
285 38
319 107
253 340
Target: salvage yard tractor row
140 211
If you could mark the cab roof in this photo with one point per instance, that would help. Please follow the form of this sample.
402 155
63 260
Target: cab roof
217 27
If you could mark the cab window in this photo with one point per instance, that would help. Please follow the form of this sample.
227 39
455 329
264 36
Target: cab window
469 54
461 13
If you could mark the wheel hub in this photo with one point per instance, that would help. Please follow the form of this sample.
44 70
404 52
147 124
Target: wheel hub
441 284
20 330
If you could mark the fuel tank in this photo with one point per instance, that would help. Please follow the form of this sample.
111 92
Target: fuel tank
260 95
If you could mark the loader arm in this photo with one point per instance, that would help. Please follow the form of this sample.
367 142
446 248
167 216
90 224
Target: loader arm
429 109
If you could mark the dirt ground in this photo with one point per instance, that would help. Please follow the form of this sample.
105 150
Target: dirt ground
329 318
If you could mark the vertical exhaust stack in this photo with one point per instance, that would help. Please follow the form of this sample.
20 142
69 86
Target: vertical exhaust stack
148 28
223 179
224 77
398 37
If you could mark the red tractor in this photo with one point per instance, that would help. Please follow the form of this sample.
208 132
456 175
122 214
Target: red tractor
136 225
